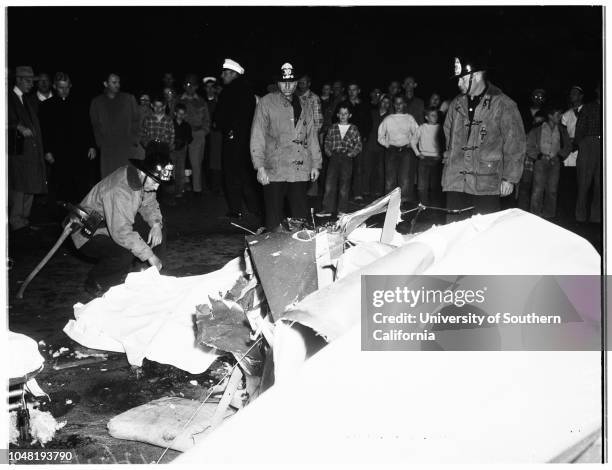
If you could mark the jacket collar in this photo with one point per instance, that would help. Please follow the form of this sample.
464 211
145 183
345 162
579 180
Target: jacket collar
133 178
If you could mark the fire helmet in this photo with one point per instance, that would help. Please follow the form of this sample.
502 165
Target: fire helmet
156 164
467 65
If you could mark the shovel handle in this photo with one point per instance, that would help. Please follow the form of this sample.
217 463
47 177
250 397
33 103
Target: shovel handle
67 231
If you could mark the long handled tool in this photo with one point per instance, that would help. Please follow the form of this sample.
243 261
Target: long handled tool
67 231
77 219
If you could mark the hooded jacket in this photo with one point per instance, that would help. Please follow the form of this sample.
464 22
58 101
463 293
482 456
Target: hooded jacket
287 151
476 162
118 198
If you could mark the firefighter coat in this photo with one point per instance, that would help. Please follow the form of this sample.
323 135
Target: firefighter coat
492 149
287 150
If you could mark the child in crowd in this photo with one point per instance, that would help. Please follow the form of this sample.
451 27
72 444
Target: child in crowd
547 145
427 146
182 139
342 144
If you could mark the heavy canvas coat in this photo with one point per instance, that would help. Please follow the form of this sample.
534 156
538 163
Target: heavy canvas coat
477 161
118 198
26 165
288 152
116 126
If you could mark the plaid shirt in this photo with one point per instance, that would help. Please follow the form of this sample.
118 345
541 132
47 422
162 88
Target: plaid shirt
351 144
162 130
314 102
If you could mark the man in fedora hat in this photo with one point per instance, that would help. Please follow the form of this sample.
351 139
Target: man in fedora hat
233 118
26 165
130 220
285 150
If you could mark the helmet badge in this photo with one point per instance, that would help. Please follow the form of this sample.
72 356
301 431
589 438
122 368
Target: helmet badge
287 70
457 66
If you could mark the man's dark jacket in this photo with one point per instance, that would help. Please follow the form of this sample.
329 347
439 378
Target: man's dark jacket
235 109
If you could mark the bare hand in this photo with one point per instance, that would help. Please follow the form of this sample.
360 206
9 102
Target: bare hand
155 236
155 261
314 174
91 153
49 157
262 176
506 189
26 132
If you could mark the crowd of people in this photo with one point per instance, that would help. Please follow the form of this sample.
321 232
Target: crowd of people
467 151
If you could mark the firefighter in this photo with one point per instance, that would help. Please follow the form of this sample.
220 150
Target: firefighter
285 150
127 222
485 143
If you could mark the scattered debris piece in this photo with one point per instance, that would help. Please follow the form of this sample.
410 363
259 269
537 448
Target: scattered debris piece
42 343
103 370
42 427
193 382
82 355
68 401
276 253
162 422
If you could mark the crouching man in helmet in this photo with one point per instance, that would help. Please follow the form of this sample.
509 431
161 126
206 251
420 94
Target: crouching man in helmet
485 143
129 220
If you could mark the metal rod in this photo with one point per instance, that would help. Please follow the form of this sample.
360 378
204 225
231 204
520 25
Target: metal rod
243 228
15 393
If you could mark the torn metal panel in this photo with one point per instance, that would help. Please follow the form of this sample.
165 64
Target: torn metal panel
286 264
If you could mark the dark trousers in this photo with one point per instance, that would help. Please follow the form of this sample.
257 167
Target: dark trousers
239 176
373 168
400 170
482 204
114 261
545 183
429 179
337 183
588 171
524 190
274 199
357 179
567 192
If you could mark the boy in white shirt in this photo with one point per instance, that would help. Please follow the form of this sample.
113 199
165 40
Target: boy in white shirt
427 146
395 133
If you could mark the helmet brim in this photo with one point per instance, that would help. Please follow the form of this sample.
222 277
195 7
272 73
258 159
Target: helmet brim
142 167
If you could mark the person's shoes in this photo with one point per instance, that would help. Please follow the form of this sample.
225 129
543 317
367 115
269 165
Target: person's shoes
234 215
323 214
93 288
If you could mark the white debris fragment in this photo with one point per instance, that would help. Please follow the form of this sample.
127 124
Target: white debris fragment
103 370
172 407
63 350
81 355
193 382
55 354
276 253
43 426
42 343
68 401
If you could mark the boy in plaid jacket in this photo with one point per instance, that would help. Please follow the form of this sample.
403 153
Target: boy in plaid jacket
342 144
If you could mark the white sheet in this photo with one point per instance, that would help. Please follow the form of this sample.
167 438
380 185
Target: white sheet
151 316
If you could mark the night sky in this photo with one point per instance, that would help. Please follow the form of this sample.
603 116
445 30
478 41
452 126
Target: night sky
533 46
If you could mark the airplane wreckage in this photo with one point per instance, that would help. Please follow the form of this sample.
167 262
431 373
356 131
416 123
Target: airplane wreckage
289 312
